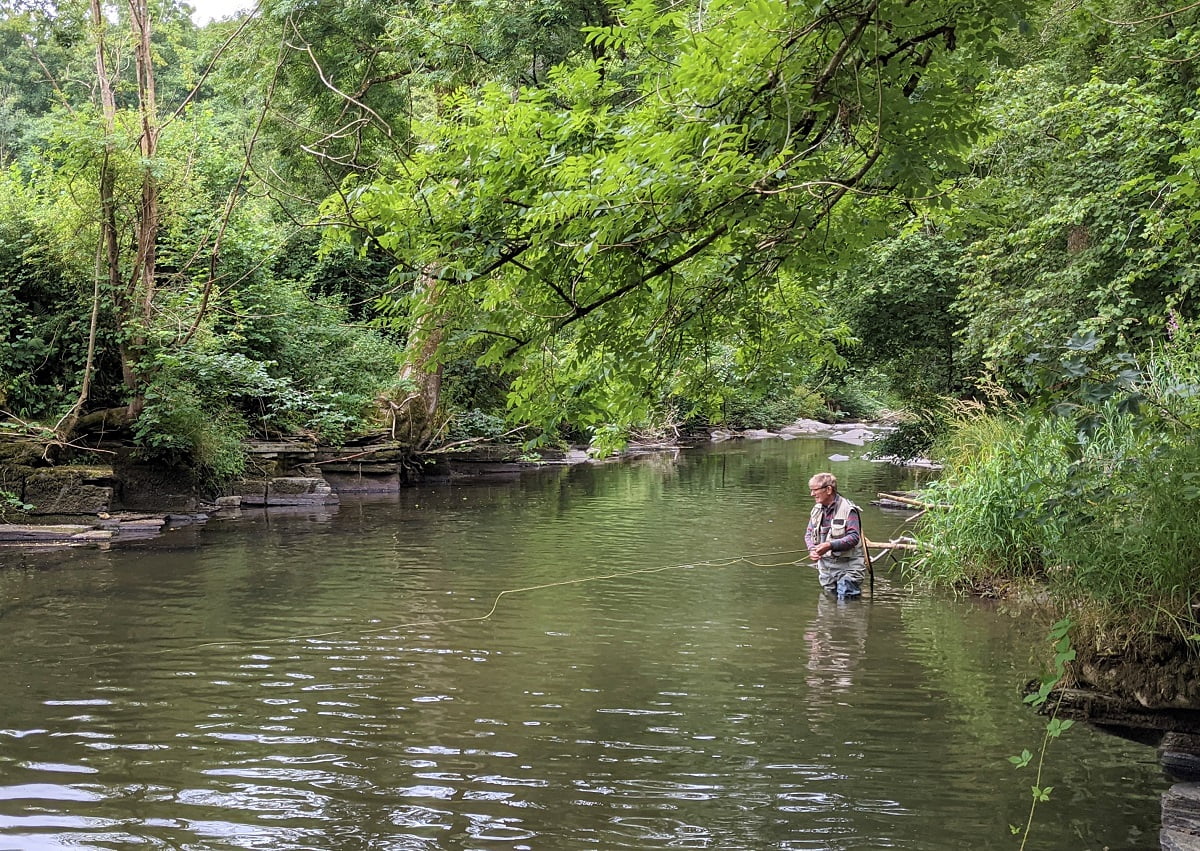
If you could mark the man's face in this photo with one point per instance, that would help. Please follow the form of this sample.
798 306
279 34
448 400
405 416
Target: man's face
822 495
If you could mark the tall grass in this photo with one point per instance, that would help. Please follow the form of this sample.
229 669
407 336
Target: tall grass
1108 514
998 480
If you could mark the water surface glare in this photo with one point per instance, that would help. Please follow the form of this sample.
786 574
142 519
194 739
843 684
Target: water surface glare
338 679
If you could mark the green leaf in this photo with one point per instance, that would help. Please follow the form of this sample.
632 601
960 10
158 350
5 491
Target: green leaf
1022 760
1056 727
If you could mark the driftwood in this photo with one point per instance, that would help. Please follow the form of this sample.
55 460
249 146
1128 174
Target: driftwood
913 503
895 544
888 548
109 419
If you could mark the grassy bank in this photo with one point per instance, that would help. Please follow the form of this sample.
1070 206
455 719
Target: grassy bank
1096 497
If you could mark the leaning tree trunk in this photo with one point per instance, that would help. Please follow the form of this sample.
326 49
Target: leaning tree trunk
414 416
108 252
146 227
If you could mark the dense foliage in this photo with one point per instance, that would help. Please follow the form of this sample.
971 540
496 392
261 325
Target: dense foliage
610 216
1075 302
678 194
1099 499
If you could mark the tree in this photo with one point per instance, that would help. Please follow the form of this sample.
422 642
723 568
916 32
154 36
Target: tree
135 294
602 231
345 83
105 158
898 298
154 295
1088 257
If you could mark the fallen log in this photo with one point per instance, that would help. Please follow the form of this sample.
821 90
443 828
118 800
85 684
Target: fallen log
109 419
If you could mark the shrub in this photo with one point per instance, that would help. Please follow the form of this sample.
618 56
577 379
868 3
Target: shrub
912 438
179 427
464 425
1101 501
774 409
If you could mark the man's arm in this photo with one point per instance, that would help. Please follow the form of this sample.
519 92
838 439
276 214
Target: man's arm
810 534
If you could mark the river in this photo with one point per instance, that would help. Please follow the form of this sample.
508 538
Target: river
618 656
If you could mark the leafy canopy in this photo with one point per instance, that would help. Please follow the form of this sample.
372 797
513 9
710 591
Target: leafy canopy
603 232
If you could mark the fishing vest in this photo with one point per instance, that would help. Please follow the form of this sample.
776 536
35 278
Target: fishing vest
837 527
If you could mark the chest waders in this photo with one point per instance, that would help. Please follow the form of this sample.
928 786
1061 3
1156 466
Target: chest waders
841 572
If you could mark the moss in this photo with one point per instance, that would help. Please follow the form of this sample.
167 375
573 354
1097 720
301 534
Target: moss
21 453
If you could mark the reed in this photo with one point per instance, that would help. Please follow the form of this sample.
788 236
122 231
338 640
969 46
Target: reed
1131 537
995 484
1107 516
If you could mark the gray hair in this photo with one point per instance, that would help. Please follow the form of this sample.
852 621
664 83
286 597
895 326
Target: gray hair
820 480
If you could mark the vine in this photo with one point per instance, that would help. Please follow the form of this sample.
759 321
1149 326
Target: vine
1055 727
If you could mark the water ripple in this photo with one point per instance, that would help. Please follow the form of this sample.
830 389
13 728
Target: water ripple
262 692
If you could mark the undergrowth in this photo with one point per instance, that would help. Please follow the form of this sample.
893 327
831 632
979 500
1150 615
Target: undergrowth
1097 500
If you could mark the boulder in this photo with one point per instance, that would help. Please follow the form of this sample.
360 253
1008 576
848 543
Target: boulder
758 434
299 490
854 436
806 426
1179 755
363 478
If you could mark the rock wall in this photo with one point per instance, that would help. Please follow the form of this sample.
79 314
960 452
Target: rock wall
85 504
1181 818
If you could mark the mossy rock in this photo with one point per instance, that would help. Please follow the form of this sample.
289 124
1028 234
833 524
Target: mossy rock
21 453
70 490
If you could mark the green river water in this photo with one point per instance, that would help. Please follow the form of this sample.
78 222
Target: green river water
330 679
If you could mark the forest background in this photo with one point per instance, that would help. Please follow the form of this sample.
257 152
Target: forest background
579 221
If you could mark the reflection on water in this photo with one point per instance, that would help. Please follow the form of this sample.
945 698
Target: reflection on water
365 679
836 638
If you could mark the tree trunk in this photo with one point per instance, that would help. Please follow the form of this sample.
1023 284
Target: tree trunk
146 228
414 417
108 252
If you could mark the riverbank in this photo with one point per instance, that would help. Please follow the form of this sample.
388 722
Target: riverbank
72 505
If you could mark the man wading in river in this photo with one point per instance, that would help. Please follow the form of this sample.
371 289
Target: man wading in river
834 538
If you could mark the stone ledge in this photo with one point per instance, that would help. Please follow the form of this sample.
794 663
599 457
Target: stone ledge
1181 818
286 490
1108 710
103 531
56 532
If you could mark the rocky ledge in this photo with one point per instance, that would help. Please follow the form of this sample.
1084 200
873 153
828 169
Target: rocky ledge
1148 694
96 505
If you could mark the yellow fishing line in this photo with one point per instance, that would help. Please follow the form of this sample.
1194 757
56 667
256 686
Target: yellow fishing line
258 642
496 602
